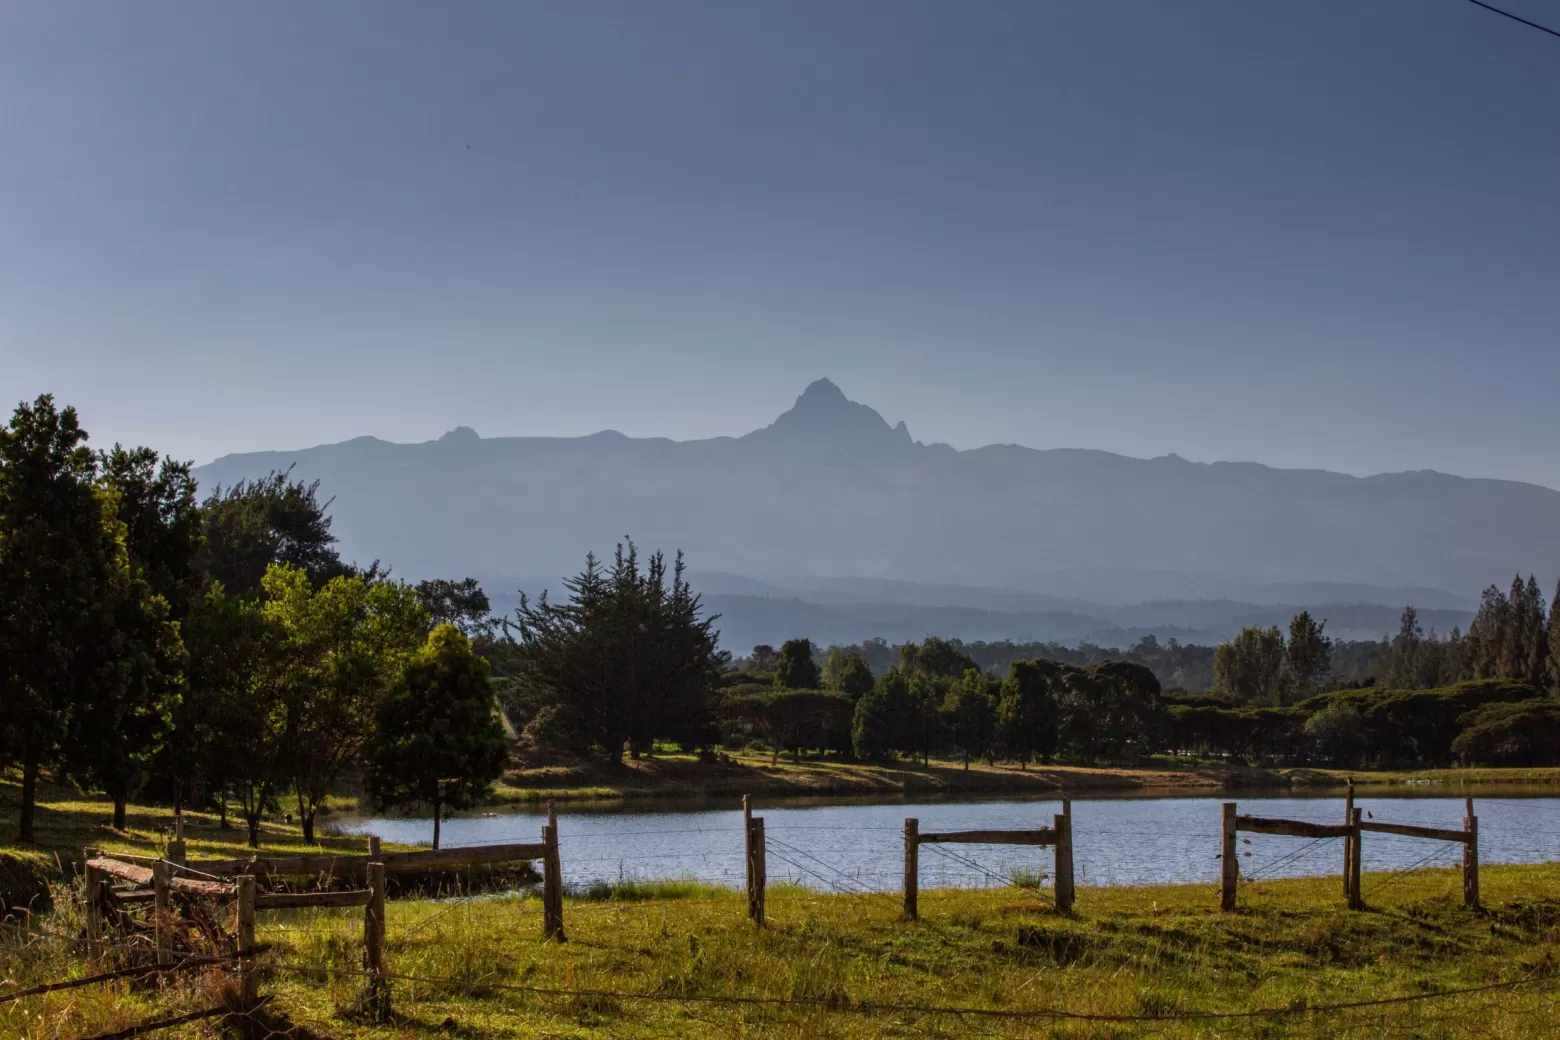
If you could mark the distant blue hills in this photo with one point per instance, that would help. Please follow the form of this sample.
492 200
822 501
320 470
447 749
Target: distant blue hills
909 538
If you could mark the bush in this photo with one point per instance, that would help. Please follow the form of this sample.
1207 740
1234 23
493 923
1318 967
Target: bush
1526 733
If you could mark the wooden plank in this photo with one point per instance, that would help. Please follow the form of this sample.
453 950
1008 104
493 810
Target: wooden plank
1046 836
1410 831
481 854
191 887
297 900
395 862
288 866
141 876
131 895
1293 828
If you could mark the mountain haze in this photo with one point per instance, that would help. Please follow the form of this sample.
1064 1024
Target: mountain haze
832 489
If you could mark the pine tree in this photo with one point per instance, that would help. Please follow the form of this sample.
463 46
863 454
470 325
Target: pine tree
1308 655
1554 641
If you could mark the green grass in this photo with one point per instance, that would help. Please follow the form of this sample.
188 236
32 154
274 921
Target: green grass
847 961
68 821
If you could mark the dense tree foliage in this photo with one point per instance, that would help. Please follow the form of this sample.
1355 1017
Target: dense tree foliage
795 668
438 739
628 659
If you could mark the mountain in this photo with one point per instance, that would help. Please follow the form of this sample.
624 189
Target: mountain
831 488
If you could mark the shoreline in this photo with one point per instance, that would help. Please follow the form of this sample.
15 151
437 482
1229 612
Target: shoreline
683 777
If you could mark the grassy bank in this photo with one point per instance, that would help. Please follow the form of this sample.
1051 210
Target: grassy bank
68 821
673 775
846 965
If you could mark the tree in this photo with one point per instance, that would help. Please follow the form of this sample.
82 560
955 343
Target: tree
1308 655
1522 733
1247 669
437 738
877 725
1029 711
1112 710
795 668
629 657
788 718
64 571
1339 734
459 603
970 714
342 649
855 676
1488 635
140 680
1554 642
935 657
272 519
230 730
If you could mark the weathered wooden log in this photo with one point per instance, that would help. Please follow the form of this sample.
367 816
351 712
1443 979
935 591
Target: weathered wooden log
1411 831
1045 836
1293 828
394 862
136 875
299 900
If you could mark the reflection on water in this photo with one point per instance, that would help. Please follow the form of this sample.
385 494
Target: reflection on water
859 845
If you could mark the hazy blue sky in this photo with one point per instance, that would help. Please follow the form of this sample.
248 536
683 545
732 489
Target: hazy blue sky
1309 234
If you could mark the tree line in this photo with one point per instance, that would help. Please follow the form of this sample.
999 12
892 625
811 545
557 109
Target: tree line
156 643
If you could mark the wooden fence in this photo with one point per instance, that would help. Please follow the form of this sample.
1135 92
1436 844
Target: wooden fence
171 887
1352 831
1058 836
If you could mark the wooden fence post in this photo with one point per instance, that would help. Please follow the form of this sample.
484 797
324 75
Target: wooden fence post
176 853
757 870
1471 859
373 848
93 880
1348 843
374 942
1064 863
162 913
552 880
244 933
912 865
1356 848
1230 866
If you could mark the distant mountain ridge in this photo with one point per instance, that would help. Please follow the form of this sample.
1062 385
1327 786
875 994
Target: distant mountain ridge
831 488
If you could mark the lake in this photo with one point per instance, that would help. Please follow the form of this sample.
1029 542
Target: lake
859 846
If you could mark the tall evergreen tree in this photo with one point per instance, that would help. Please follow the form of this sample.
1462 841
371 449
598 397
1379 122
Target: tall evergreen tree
629 657
1307 655
1486 649
1554 642
63 573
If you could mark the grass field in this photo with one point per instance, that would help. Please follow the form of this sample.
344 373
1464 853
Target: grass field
681 960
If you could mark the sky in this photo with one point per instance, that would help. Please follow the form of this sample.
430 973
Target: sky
1311 235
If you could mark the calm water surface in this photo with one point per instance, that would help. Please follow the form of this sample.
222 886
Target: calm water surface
1117 841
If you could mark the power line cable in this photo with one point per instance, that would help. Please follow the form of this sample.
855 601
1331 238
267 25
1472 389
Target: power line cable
1516 18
